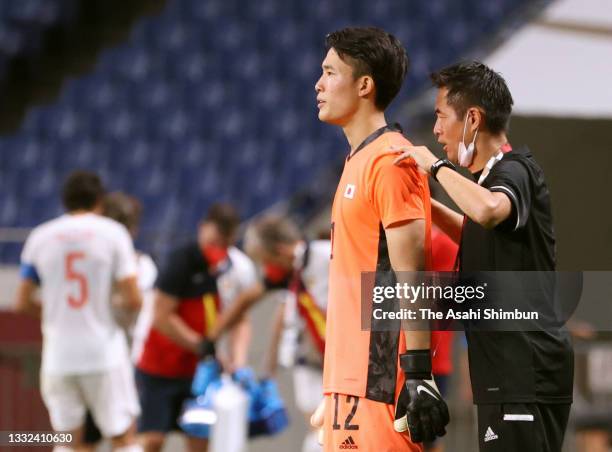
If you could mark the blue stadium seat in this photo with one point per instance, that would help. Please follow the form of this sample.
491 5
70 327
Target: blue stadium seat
28 152
9 208
153 94
120 124
81 153
191 66
63 122
168 35
205 11
102 94
215 96
170 123
134 64
42 185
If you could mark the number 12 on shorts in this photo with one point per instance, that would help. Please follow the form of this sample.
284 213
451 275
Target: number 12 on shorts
350 416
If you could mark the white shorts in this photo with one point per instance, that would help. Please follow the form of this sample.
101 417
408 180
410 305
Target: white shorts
110 396
308 388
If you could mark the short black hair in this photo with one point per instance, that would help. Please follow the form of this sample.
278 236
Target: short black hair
372 51
83 190
225 217
473 84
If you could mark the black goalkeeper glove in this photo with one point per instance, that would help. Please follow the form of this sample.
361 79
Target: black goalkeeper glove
420 408
206 349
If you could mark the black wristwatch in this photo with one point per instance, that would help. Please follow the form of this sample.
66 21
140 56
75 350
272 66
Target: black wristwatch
439 164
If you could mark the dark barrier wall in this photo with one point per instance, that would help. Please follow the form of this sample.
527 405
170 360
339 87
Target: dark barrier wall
577 159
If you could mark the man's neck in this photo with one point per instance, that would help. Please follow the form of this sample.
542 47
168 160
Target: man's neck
487 146
361 126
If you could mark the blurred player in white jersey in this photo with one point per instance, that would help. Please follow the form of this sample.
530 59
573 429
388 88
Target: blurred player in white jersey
126 210
75 259
299 269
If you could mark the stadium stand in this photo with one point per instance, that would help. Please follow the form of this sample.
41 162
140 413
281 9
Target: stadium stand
208 101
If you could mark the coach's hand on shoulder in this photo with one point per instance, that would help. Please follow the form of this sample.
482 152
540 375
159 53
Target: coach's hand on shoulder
206 349
316 420
420 154
420 408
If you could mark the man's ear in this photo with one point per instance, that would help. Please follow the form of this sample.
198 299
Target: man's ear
475 119
366 86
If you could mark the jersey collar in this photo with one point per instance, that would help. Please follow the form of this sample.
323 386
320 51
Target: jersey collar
374 135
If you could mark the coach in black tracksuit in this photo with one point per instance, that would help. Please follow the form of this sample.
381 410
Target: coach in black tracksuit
522 380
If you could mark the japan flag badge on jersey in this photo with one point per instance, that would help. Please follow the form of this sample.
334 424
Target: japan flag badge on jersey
349 191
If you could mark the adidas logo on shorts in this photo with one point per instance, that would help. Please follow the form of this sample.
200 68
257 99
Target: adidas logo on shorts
349 443
490 435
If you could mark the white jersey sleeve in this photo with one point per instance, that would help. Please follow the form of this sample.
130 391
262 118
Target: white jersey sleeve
316 272
28 266
147 274
315 276
28 252
241 275
126 261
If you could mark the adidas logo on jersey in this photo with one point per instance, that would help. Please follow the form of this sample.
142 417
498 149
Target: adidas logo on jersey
349 191
490 435
349 443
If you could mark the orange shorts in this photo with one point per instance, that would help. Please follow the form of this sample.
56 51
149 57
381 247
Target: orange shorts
357 423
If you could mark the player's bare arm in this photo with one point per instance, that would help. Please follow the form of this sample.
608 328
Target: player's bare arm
482 206
236 311
240 337
168 322
406 242
449 221
131 296
24 299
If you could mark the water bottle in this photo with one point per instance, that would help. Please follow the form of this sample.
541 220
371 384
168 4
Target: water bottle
231 404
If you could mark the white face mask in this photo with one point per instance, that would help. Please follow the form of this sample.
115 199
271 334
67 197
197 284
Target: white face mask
466 155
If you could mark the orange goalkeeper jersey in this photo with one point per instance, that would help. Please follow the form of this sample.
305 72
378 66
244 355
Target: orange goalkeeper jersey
373 194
